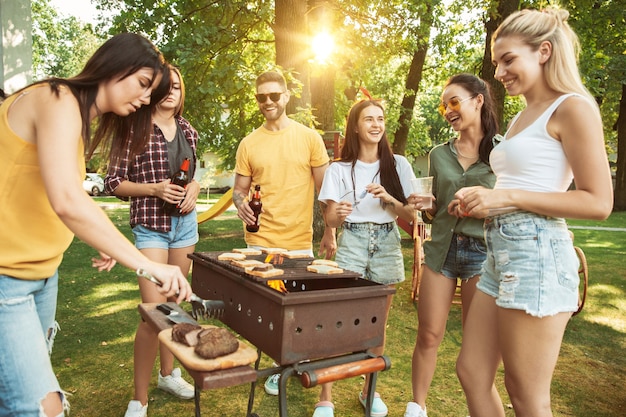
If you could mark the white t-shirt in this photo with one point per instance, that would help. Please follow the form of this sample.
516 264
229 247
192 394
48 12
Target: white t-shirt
338 186
532 160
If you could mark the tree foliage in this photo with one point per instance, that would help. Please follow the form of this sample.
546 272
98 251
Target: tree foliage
402 51
61 45
600 27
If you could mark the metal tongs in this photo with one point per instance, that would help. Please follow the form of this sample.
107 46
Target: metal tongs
199 307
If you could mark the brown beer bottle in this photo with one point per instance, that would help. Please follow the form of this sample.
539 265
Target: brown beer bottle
255 204
180 178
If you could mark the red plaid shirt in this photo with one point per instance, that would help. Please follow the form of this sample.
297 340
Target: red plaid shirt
151 166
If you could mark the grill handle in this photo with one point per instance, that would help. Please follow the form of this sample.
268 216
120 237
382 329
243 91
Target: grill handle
314 377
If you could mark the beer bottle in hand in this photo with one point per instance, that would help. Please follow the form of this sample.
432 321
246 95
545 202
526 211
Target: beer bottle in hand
255 204
180 178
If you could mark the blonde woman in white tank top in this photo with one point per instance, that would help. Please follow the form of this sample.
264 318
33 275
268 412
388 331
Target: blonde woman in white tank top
529 287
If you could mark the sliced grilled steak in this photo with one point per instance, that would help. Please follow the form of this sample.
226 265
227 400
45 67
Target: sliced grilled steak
215 342
185 332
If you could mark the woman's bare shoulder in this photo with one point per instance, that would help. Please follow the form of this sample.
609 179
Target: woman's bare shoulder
575 105
575 115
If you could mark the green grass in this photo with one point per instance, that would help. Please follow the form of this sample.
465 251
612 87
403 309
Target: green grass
93 352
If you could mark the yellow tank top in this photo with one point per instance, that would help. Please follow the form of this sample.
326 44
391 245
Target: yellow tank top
32 237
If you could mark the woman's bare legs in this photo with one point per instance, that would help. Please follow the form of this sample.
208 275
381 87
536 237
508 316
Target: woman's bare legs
480 357
468 289
146 340
433 306
530 349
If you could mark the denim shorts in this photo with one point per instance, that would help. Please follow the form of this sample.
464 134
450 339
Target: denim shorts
28 328
465 258
182 234
531 264
373 250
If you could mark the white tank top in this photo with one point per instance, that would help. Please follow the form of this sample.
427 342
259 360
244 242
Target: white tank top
532 160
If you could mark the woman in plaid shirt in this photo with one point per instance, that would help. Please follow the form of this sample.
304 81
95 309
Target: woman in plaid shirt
160 236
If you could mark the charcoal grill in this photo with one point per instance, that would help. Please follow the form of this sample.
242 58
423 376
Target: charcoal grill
320 316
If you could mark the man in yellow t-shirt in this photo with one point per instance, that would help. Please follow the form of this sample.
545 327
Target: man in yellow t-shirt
287 160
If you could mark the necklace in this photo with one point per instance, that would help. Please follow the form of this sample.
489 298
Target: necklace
458 151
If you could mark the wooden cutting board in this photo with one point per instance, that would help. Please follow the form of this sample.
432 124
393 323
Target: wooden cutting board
245 355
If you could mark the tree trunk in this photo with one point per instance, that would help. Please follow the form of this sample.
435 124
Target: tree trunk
291 32
505 8
620 175
323 98
292 50
411 87
322 74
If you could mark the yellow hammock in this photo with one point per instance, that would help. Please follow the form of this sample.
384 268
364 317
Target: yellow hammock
218 208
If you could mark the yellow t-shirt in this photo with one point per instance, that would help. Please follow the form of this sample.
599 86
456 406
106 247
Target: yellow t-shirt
32 237
281 162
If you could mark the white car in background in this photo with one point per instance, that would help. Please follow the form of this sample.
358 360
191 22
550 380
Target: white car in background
93 184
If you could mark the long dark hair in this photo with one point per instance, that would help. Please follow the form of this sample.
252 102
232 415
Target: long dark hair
119 57
350 152
488 116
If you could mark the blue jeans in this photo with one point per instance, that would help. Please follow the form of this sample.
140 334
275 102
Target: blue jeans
373 250
183 233
28 327
531 264
465 258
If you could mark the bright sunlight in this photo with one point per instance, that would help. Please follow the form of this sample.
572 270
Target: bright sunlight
322 45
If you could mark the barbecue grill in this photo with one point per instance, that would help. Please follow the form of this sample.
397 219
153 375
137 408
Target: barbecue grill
320 315
323 323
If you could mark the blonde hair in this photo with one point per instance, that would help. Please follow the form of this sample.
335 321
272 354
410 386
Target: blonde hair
181 104
550 24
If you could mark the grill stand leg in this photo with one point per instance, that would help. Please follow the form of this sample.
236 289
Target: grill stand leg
253 384
288 371
282 390
371 388
196 398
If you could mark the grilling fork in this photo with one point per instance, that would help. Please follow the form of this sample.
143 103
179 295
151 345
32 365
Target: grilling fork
199 307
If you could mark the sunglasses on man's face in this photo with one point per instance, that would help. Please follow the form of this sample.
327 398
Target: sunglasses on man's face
262 98
453 104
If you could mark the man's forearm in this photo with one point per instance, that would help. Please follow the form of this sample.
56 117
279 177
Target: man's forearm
238 199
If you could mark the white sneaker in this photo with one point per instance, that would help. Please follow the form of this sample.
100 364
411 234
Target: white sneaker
271 384
414 410
176 385
135 409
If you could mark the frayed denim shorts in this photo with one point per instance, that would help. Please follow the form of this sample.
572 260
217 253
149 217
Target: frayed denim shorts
183 233
465 258
531 264
373 250
28 328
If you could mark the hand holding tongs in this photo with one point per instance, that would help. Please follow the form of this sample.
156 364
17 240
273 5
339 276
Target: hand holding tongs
199 307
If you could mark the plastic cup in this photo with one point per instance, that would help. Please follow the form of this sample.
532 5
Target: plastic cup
423 187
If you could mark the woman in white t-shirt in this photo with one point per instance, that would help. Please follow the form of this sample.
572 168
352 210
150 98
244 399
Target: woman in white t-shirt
365 192
529 287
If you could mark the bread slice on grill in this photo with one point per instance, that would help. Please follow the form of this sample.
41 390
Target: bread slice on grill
248 263
231 256
295 255
273 251
264 271
247 251
324 269
327 262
